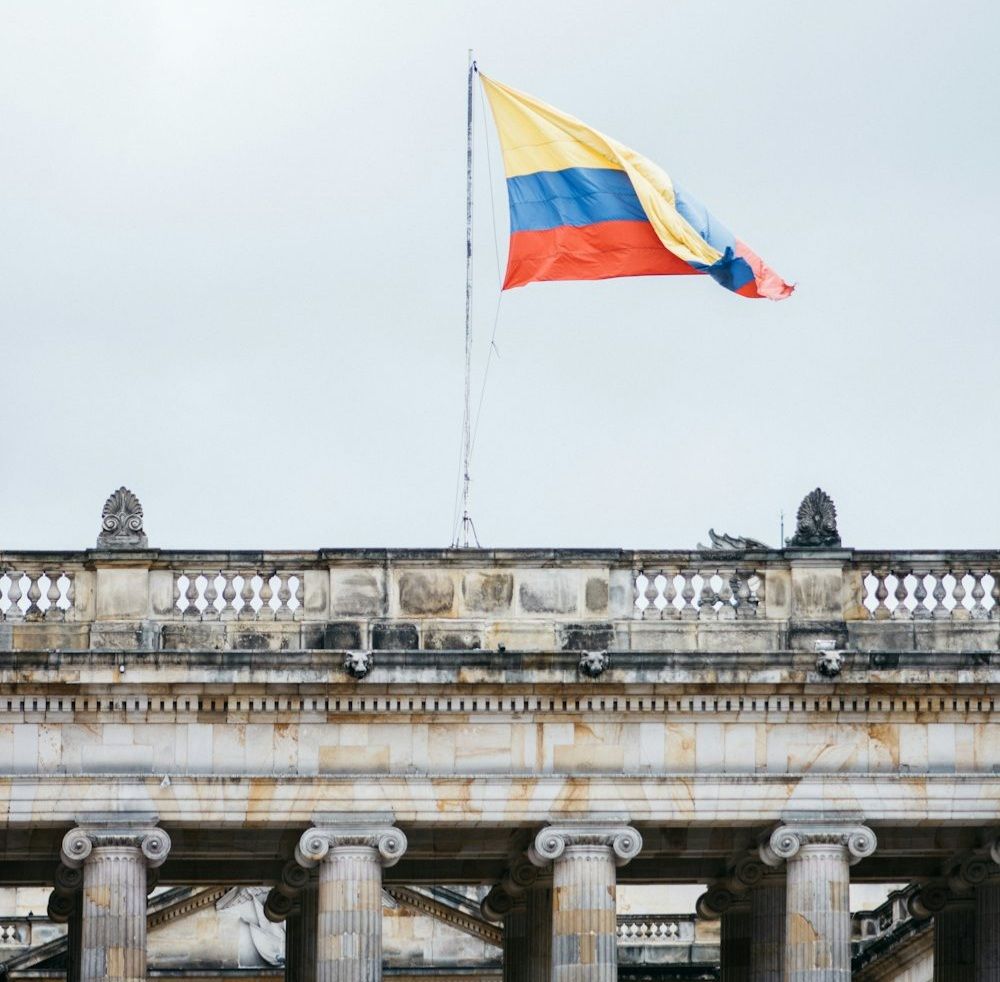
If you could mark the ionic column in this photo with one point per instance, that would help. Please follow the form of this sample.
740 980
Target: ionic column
523 901
113 901
988 922
584 923
300 933
767 907
349 903
731 901
818 913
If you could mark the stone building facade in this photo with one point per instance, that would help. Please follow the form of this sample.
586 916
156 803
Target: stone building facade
542 725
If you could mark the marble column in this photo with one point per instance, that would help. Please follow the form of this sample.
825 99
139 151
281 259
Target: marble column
113 900
954 914
523 901
584 918
349 903
767 914
988 922
736 943
818 858
300 934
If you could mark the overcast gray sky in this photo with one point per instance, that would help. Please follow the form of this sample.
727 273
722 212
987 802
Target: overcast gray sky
232 267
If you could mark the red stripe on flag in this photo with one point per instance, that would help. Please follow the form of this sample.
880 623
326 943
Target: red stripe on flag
591 252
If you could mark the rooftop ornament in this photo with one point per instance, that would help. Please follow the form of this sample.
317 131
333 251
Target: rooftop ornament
816 523
121 522
730 543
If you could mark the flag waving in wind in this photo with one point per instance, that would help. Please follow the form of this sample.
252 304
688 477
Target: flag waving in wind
585 207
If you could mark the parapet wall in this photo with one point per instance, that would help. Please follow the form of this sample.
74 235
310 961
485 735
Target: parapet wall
518 600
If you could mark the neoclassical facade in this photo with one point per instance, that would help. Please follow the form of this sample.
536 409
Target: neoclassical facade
547 724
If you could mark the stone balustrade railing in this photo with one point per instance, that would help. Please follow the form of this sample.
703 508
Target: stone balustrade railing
519 599
16 932
656 929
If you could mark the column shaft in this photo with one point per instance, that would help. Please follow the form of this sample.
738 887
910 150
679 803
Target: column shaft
113 917
538 925
988 931
818 915
767 905
584 924
955 943
349 943
736 935
516 944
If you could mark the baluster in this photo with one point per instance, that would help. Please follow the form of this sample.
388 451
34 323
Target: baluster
228 611
881 612
921 611
210 612
284 611
902 612
14 612
636 593
940 611
960 611
757 592
177 593
300 595
727 611
54 612
266 612
246 595
70 592
741 585
34 595
651 593
995 594
707 599
978 593
689 611
669 593
191 595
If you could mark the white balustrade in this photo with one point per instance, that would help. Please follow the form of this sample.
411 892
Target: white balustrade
36 594
224 595
720 593
653 929
932 592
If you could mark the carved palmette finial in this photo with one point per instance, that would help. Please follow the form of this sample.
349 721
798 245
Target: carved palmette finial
816 522
121 522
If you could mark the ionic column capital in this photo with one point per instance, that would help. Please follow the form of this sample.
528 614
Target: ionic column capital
316 843
746 873
786 841
623 841
78 844
519 877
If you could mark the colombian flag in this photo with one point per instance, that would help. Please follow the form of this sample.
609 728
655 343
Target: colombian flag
585 207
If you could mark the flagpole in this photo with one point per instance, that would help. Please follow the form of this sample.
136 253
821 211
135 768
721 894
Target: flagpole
467 525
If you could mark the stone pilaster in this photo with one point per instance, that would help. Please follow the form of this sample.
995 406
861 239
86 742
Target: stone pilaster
584 922
349 903
818 858
113 901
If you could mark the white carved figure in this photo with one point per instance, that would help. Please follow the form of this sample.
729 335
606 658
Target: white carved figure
268 938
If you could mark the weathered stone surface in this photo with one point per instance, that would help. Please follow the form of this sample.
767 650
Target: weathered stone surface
357 593
488 592
596 595
586 637
397 636
342 636
426 593
548 592
442 639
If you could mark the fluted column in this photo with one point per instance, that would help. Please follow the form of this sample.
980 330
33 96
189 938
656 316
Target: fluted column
584 923
300 933
767 906
350 860
818 913
523 901
744 928
988 922
113 901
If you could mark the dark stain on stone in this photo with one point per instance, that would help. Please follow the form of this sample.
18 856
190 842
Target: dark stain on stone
586 637
399 637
